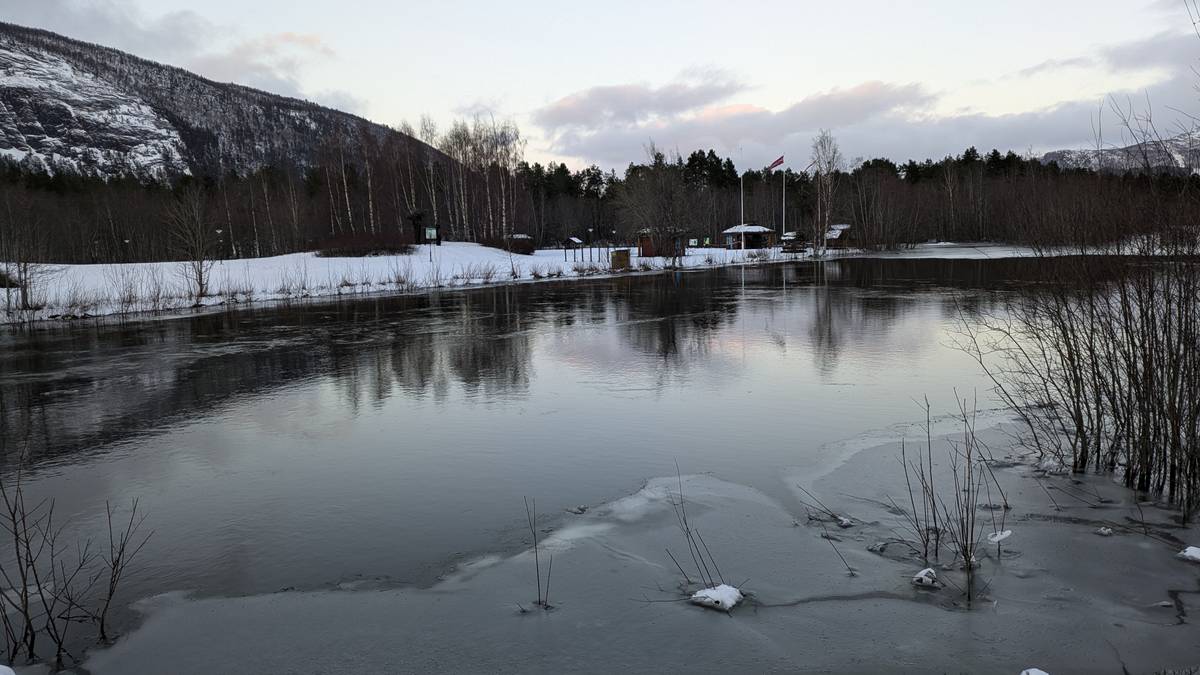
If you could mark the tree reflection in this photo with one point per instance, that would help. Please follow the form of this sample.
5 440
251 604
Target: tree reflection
81 389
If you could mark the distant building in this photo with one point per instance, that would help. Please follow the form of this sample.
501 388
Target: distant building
838 236
749 235
668 242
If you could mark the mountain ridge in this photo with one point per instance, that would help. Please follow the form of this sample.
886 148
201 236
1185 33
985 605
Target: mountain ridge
70 105
1177 154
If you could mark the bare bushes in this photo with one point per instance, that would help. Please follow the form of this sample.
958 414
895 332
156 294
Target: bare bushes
124 282
513 244
708 573
583 269
1103 368
543 594
294 282
363 244
943 505
55 586
481 272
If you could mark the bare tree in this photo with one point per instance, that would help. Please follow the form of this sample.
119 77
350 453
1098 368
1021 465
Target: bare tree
24 247
123 547
828 165
193 238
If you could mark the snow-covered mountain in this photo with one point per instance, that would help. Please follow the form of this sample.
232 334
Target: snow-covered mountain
1180 154
67 105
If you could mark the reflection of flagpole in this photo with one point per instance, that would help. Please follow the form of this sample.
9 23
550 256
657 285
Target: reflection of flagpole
783 228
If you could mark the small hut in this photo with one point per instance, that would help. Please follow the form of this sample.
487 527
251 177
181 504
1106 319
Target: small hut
667 242
838 236
749 235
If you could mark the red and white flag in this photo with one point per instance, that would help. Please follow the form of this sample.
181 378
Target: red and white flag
776 163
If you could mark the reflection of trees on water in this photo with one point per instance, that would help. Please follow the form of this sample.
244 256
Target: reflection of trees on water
73 390
66 391
855 300
479 341
675 316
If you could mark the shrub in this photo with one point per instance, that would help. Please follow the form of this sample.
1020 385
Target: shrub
7 281
362 244
518 246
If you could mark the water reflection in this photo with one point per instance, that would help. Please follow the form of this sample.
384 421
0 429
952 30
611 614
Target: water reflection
302 445
68 391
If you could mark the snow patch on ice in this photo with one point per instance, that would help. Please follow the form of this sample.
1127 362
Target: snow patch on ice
723 597
1191 554
926 578
566 538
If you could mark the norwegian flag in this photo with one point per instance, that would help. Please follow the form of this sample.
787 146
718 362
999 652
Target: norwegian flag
776 163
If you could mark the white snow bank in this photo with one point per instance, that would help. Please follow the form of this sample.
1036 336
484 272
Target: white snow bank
1034 671
72 291
1191 554
723 597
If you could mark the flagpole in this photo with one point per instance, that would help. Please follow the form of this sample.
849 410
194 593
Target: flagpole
783 233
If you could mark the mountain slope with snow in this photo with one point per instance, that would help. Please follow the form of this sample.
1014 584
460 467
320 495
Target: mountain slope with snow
67 105
1178 154
54 116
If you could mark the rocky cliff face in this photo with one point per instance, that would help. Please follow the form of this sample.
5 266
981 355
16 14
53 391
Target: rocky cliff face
55 116
67 105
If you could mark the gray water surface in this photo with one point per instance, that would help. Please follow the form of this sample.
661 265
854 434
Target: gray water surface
386 438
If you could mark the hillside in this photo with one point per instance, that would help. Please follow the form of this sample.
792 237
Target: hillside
1180 153
67 105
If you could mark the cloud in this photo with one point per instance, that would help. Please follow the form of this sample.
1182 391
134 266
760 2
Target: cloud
116 23
874 118
632 103
274 62
1051 65
1169 49
598 138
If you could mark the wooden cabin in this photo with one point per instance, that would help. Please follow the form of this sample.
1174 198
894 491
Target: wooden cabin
838 237
749 235
662 242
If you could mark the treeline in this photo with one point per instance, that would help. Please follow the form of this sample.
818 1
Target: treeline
473 182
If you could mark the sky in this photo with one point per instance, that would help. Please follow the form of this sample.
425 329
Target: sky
598 82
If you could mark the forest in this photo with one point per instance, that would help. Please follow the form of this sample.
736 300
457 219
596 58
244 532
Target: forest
471 180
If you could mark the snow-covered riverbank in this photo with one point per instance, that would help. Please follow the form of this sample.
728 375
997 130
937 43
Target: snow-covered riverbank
80 291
